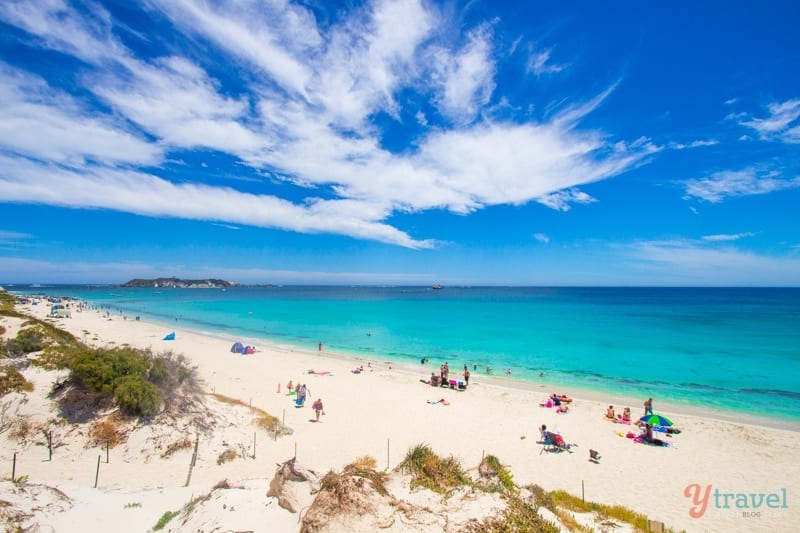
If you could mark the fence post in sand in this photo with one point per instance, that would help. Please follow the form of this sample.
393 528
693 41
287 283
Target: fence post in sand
97 472
193 461
50 445
583 498
14 468
106 451
295 450
387 454
254 445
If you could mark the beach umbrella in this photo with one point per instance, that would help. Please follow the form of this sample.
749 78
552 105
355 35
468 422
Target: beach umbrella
656 420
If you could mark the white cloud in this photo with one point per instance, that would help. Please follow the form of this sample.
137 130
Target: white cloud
563 200
749 181
694 144
39 121
466 77
542 237
776 126
300 110
726 237
684 262
538 62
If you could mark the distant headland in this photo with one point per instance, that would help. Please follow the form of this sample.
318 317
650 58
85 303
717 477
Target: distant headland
177 283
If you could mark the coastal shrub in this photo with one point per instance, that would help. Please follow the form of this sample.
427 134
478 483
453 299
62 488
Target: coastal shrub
12 381
100 368
518 515
136 396
491 467
27 341
433 472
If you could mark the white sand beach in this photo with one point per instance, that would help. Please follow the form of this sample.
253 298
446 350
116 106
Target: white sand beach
382 412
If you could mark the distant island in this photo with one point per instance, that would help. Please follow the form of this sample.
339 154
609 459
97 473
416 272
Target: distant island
177 283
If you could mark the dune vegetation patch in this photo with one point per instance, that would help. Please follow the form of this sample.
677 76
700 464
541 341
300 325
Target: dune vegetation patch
433 472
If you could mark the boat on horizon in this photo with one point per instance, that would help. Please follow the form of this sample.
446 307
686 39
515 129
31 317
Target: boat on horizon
436 286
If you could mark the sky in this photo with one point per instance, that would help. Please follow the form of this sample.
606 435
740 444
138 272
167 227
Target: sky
400 142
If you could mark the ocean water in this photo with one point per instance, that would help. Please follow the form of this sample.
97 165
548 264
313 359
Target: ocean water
736 350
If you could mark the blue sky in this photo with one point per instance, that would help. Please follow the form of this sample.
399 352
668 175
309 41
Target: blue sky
400 142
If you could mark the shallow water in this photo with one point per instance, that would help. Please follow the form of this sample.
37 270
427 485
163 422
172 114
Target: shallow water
732 349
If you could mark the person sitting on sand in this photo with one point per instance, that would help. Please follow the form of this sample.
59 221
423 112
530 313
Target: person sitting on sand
318 408
562 409
556 399
610 414
626 415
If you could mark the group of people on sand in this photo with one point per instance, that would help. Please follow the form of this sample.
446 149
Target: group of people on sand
624 418
559 401
301 393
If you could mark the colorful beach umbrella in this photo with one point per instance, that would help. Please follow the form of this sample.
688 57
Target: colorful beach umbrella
656 420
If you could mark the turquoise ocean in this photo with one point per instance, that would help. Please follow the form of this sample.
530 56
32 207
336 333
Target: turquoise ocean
733 350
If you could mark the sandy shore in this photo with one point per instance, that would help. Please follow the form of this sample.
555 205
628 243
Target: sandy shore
385 410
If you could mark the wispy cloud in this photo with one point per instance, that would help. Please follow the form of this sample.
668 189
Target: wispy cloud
539 62
725 184
563 200
781 123
20 270
300 106
727 237
542 237
694 144
7 236
685 262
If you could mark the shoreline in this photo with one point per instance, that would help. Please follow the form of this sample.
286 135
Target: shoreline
382 407
545 386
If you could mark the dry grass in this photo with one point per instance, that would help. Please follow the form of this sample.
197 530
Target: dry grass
108 430
177 446
227 456
269 423
12 381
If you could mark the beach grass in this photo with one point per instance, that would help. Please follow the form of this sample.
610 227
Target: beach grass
269 423
165 519
433 472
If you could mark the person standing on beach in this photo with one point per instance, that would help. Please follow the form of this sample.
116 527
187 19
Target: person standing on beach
466 375
302 392
648 407
319 347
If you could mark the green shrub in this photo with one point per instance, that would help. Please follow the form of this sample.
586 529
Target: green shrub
101 368
159 371
27 341
136 396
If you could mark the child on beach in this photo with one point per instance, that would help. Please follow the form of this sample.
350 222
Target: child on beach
648 407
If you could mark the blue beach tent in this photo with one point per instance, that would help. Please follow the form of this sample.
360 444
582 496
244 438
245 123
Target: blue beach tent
169 336
237 348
